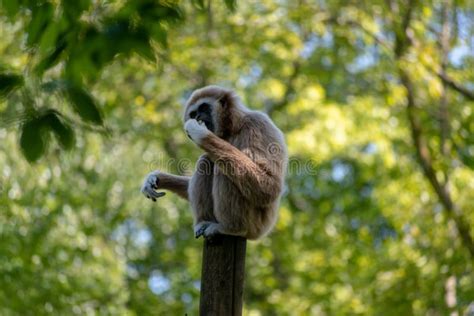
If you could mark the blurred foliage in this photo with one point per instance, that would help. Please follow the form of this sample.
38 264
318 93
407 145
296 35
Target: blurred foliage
81 37
361 230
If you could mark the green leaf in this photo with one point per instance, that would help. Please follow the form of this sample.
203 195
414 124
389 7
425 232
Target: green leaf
90 54
41 17
8 83
122 38
466 157
62 131
74 9
159 34
84 105
231 4
143 48
11 7
152 10
199 4
33 139
52 59
54 86
55 35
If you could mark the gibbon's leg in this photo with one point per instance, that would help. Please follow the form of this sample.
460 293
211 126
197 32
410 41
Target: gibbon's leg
200 195
157 180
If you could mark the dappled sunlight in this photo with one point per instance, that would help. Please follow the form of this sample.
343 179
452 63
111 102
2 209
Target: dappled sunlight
377 110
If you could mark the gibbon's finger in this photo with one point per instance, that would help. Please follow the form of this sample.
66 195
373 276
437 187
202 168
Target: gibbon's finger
149 192
200 232
156 195
160 194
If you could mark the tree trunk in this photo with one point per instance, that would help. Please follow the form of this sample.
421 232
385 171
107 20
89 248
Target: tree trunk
222 278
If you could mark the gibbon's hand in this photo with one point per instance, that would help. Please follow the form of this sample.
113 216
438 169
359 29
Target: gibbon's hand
150 185
196 131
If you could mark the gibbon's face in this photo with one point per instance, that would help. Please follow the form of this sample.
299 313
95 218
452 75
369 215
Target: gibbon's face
203 110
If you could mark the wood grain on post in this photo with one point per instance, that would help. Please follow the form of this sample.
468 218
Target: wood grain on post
222 278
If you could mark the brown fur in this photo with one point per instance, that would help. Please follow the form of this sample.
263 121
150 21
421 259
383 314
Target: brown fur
239 181
177 184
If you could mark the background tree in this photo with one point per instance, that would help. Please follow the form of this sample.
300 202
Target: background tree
375 98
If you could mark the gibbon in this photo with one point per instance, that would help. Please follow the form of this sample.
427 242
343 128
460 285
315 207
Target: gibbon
238 181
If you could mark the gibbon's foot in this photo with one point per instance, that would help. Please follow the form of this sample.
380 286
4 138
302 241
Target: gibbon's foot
200 227
211 231
150 184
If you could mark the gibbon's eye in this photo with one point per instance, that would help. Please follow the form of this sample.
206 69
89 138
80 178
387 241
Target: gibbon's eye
204 107
192 114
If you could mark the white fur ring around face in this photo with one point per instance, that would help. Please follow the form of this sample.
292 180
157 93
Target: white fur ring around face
196 131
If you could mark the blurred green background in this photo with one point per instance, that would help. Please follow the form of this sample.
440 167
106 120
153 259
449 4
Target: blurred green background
376 99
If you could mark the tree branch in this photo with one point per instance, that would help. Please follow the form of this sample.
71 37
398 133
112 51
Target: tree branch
424 157
455 85
443 115
401 42
421 146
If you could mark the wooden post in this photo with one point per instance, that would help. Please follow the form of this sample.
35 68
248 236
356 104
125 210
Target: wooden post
222 277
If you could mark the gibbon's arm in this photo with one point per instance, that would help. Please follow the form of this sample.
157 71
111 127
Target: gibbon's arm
174 183
256 181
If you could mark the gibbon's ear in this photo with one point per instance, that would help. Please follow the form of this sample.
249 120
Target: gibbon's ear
226 99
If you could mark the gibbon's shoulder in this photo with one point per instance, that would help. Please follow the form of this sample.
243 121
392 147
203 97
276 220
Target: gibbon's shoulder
258 120
261 122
